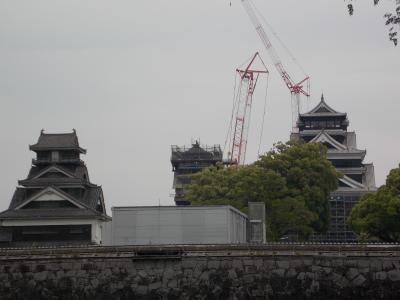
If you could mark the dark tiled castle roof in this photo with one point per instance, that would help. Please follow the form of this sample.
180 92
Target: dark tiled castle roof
63 180
49 141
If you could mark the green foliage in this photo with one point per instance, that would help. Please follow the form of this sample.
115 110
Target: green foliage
293 180
392 19
377 216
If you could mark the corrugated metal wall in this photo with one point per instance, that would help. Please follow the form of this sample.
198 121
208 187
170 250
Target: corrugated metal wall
175 225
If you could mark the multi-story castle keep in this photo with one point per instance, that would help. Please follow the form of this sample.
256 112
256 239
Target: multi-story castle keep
325 125
56 203
189 160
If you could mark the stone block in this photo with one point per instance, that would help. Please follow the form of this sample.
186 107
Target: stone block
247 279
142 274
327 270
359 280
232 274
172 283
279 272
339 280
60 274
168 273
258 263
40 276
155 285
107 272
269 263
17 276
81 273
308 262
325 262
363 263
31 284
213 264
94 282
291 273
204 276
351 263
248 262
364 270
295 263
316 269
250 269
227 263
337 262
141 289
380 275
257 293
283 264
311 275
394 275
52 267
396 264
314 287
237 264
387 265
188 273
351 273
66 265
375 265
70 273
301 276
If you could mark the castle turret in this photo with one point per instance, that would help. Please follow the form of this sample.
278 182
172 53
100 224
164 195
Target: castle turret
56 203
189 160
325 125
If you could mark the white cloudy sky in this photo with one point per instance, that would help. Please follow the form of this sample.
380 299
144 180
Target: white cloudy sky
134 77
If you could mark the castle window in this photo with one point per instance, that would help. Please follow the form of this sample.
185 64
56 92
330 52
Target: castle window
49 204
55 156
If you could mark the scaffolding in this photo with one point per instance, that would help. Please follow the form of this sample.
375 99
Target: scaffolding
190 160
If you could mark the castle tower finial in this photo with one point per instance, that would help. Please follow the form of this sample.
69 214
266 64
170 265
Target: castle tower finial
322 98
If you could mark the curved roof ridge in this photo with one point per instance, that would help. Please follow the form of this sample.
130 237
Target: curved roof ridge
323 107
325 137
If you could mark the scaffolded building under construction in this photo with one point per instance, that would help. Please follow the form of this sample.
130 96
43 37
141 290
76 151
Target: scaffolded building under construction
189 160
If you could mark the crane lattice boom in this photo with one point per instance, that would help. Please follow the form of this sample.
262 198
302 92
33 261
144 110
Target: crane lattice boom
295 88
244 98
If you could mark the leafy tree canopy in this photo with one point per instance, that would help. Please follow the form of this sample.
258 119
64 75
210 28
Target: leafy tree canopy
392 19
293 180
377 216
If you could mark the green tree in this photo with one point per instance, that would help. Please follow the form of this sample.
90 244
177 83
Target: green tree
293 180
392 19
377 215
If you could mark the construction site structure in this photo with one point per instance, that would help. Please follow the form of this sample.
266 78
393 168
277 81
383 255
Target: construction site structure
295 88
190 160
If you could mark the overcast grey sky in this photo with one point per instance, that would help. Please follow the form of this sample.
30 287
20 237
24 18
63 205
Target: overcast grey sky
134 77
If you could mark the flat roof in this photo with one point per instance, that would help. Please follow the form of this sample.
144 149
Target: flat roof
182 207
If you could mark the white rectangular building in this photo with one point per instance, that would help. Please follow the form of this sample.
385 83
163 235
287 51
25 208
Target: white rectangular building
150 225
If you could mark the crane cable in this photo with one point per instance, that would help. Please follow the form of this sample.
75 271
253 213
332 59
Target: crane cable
277 37
263 118
229 131
235 100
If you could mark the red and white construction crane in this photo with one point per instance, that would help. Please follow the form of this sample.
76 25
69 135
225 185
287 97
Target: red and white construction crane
242 108
295 88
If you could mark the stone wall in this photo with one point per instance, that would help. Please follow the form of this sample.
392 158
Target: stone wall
270 272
